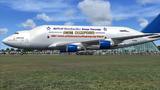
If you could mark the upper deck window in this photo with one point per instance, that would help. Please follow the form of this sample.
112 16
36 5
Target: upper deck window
124 31
16 33
105 29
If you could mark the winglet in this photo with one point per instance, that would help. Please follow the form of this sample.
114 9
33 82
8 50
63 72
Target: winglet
153 27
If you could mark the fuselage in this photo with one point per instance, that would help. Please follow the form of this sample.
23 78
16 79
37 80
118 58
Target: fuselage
76 38
43 36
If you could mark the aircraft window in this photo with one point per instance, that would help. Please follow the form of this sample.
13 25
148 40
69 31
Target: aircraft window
105 29
124 31
19 37
16 33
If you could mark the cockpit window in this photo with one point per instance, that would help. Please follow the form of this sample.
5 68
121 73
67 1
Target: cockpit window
16 33
19 37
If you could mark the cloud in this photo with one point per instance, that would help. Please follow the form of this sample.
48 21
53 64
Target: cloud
44 17
133 11
70 13
29 23
35 5
143 22
3 31
144 2
69 23
97 11
65 16
47 10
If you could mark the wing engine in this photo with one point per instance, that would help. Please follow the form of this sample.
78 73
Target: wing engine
104 44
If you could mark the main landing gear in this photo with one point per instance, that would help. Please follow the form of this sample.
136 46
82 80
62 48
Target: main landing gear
85 53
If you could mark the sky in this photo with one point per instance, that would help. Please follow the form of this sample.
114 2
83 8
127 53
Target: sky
17 15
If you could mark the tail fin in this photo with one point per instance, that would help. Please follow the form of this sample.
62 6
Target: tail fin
153 27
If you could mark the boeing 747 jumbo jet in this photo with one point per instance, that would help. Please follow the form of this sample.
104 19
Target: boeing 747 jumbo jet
77 38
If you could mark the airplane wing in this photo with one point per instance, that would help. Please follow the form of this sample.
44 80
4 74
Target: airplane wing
120 39
131 37
85 44
155 36
58 45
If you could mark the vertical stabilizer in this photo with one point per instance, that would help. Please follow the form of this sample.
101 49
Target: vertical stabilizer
153 27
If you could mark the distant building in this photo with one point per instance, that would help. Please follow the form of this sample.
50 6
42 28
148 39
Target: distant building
147 47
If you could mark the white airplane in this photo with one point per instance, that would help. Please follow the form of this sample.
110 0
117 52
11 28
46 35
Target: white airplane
77 38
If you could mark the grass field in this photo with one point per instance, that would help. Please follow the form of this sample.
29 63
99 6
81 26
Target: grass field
79 72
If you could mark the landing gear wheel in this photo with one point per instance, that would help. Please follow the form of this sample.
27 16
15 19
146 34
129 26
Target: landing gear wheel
84 53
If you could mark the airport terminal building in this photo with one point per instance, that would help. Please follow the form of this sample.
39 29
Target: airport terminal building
142 48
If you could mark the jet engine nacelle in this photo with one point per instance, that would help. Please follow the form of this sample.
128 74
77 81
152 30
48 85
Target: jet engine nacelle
72 48
104 44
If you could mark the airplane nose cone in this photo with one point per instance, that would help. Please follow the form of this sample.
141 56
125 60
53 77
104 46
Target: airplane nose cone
5 41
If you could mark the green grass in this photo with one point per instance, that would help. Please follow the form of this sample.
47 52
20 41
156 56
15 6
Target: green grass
79 72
